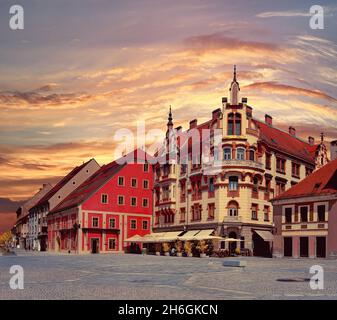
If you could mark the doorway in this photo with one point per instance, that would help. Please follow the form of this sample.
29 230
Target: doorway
288 246
232 245
304 247
320 247
261 248
94 245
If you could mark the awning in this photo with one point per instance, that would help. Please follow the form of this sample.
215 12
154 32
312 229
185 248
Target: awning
206 235
189 235
153 237
265 235
135 238
169 236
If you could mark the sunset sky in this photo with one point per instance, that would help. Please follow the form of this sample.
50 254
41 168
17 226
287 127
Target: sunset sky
82 69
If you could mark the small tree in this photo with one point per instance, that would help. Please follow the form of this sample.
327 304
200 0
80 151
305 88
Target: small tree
188 247
166 247
202 246
179 246
5 237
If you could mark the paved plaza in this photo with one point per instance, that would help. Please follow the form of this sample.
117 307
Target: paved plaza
128 276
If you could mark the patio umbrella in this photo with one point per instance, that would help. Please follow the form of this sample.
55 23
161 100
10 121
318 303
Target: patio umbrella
135 238
232 240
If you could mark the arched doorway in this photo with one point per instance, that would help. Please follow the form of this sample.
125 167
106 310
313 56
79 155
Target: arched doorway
232 245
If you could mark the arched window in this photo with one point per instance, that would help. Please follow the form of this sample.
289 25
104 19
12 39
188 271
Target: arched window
227 153
233 209
234 124
240 154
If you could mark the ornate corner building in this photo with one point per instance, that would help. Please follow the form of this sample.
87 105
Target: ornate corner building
256 162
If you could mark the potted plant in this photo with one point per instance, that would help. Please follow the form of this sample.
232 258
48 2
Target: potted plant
179 248
157 249
188 248
166 249
202 247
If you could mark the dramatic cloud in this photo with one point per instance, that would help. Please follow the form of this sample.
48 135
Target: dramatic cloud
272 14
275 87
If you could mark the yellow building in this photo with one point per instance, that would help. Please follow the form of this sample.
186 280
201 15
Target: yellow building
224 183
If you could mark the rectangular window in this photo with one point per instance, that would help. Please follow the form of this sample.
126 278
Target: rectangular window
145 184
304 214
120 200
121 181
211 210
295 170
133 224
233 183
134 182
321 213
112 244
288 214
112 223
280 188
104 198
254 212
95 222
268 161
240 154
145 202
146 167
182 214
266 213
280 165
308 171
133 201
145 224
227 153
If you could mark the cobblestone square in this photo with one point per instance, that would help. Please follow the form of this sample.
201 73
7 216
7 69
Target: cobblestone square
128 276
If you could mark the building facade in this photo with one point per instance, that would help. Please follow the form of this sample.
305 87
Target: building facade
306 217
113 205
228 185
21 226
37 217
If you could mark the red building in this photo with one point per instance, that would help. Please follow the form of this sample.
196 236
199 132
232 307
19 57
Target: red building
305 216
114 204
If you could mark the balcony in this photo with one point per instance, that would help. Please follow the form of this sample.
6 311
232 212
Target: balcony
196 197
213 166
232 219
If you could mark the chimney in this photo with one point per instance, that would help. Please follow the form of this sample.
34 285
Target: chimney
292 131
311 140
333 150
244 100
224 100
216 113
268 119
193 123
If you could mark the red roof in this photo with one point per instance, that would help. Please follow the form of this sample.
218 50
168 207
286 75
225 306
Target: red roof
98 179
60 184
285 142
320 182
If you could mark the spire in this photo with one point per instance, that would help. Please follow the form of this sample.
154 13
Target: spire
322 136
170 118
234 89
